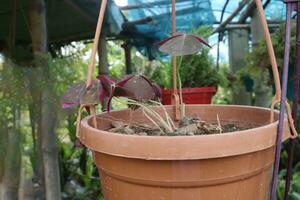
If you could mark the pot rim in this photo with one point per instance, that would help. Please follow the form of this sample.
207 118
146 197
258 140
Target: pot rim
183 147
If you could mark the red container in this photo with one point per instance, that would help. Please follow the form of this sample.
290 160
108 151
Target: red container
198 95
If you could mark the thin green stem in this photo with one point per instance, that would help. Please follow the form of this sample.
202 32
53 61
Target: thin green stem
179 79
182 106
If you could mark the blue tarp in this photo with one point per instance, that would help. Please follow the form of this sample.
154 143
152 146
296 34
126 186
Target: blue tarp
144 24
152 18
275 9
157 23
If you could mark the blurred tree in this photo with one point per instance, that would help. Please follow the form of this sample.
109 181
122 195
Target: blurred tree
48 138
11 135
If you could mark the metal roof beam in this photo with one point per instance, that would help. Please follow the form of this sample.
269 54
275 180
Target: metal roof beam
147 5
229 19
129 24
247 26
248 12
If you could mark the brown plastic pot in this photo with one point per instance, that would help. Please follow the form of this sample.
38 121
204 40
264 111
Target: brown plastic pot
231 166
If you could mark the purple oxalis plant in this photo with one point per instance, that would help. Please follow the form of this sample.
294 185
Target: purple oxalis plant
136 87
182 44
79 93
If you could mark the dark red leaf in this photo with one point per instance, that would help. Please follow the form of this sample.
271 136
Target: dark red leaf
135 87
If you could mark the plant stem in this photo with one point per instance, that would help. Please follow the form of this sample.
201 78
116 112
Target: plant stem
151 113
219 124
168 118
145 113
182 107
179 79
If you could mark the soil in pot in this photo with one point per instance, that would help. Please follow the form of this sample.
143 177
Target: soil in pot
188 126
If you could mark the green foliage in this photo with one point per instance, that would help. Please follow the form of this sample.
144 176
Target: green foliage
13 86
69 67
160 73
116 59
295 184
258 63
257 60
223 95
198 70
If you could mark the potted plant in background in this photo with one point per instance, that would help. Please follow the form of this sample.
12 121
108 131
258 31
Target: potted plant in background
199 79
198 75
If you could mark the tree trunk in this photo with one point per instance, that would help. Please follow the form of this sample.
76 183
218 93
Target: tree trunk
12 165
26 189
37 18
103 63
34 107
102 54
128 63
3 142
50 147
3 147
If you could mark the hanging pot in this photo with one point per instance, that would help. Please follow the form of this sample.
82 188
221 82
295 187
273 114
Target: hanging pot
229 166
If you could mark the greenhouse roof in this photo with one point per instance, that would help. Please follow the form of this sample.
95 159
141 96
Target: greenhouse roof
141 22
274 9
149 21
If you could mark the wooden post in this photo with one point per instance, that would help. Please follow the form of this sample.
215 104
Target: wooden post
102 54
128 63
34 106
238 49
103 63
38 30
12 164
262 90
11 145
3 144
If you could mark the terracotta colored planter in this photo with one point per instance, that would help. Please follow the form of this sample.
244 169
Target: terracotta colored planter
232 166
197 95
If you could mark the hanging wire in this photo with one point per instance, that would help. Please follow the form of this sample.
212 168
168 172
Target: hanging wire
292 142
282 100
